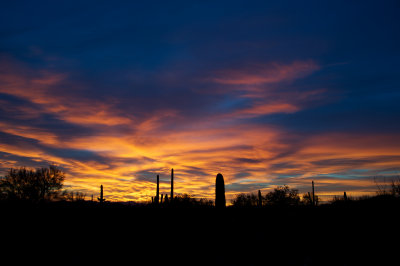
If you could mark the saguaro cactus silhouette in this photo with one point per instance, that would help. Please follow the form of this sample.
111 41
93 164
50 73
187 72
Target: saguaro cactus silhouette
101 199
313 194
158 190
259 199
220 192
172 185
166 201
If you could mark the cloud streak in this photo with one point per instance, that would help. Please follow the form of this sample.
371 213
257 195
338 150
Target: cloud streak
258 74
105 139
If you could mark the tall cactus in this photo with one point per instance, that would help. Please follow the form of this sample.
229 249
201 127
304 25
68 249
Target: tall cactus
345 196
220 201
172 185
313 194
259 198
101 199
310 198
158 190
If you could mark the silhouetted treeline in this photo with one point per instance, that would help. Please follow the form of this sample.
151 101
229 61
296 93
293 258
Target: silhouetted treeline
81 232
186 200
46 184
89 233
32 185
280 196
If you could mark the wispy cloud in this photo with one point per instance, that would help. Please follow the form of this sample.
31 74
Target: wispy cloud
103 139
258 74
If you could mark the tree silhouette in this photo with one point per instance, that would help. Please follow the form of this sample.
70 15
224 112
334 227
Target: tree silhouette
395 190
383 189
283 195
32 185
186 200
245 200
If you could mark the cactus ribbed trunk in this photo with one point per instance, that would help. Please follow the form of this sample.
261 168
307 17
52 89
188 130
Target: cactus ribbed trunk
220 201
172 185
101 199
158 189
313 194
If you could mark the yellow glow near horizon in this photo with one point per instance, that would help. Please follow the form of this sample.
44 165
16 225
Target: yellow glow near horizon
125 151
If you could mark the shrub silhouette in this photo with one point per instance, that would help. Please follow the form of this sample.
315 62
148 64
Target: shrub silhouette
245 200
166 200
205 202
186 200
32 185
383 189
73 196
283 195
395 187
80 196
307 199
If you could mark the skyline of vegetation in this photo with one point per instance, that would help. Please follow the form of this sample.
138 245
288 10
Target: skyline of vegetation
46 184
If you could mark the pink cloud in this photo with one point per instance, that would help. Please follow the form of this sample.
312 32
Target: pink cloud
257 74
226 141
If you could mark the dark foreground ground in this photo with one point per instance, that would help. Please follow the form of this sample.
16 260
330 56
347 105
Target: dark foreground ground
65 234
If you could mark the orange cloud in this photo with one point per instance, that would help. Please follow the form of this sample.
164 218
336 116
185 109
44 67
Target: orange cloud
47 89
124 151
264 109
256 74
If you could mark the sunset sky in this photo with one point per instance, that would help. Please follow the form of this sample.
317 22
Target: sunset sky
265 92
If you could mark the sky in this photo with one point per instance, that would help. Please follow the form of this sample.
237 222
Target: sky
267 93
